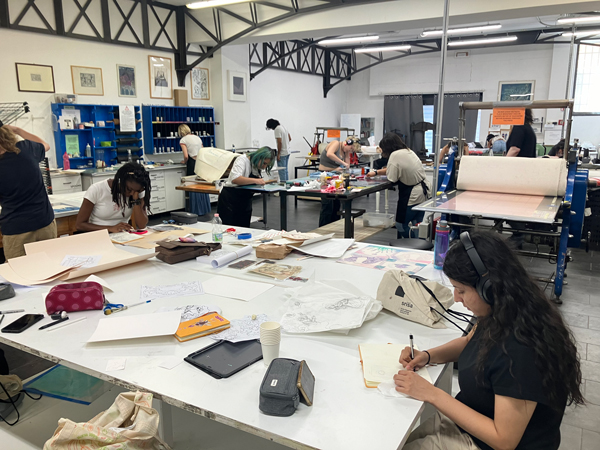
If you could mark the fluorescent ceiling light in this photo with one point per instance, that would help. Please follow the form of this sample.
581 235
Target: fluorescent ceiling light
462 30
213 3
582 33
485 41
382 49
350 40
585 19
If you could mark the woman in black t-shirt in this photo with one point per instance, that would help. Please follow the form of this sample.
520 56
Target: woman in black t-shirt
518 368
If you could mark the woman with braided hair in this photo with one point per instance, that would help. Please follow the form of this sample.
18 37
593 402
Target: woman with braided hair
109 205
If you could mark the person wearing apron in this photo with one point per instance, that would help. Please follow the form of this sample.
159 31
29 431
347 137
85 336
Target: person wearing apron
235 205
335 156
406 170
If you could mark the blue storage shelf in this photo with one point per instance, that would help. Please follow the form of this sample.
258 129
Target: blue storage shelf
199 119
94 135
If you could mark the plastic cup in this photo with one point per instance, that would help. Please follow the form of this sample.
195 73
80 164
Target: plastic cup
270 352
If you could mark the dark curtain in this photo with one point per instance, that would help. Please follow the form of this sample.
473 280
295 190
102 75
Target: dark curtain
399 113
451 114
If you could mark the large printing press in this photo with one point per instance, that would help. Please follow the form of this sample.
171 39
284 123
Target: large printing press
541 199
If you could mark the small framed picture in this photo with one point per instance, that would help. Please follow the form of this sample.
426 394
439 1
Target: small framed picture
160 77
237 86
35 78
126 81
200 84
515 91
87 80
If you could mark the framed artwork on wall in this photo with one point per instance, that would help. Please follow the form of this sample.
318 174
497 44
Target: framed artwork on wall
237 86
87 80
126 81
160 77
200 84
514 91
35 78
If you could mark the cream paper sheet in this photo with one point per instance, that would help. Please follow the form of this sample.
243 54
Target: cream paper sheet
530 176
212 163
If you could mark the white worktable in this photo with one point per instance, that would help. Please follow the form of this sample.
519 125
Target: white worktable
345 414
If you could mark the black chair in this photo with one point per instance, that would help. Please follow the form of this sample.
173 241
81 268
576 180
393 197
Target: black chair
412 243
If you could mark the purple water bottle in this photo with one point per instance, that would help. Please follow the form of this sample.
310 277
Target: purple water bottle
442 234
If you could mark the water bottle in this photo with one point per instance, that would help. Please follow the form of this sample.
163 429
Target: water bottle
88 151
442 235
217 229
66 162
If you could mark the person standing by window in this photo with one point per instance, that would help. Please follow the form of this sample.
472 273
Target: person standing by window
282 138
27 215
190 146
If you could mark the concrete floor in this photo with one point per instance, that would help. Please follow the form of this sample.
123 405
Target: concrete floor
581 309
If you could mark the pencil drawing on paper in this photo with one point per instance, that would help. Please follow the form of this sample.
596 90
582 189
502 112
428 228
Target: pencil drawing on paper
245 329
277 271
171 290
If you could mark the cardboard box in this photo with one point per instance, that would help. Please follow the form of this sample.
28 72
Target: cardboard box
181 97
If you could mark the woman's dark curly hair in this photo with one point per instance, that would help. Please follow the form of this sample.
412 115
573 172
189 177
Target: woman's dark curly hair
520 308
130 172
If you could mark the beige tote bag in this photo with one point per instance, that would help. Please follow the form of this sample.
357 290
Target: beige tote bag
129 424
408 297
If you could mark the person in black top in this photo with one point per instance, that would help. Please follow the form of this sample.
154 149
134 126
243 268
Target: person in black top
557 150
517 369
522 140
27 214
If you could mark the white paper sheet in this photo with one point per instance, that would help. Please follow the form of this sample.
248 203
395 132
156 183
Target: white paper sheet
235 288
127 118
82 261
100 281
116 364
245 329
123 237
171 290
117 327
189 312
171 362
331 248
222 257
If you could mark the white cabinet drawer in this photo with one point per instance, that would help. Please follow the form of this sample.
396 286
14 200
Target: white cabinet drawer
157 175
158 184
158 207
158 197
69 184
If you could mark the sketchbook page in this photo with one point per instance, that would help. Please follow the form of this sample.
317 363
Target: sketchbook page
245 329
115 328
382 361
331 248
171 290
36 267
235 288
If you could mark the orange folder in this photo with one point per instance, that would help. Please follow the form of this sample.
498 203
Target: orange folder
201 326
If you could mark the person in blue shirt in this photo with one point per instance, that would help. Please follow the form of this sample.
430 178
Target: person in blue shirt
27 215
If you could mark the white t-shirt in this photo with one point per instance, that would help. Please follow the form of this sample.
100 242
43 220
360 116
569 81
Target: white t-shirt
281 133
405 166
193 144
106 212
241 168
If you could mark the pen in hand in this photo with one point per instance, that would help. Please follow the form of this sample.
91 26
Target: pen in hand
412 347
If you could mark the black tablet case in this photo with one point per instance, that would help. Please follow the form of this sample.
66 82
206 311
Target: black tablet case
223 359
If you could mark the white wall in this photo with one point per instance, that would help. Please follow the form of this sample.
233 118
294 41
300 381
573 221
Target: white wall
61 53
296 100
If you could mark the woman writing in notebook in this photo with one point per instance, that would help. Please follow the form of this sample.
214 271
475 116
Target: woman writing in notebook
110 204
518 367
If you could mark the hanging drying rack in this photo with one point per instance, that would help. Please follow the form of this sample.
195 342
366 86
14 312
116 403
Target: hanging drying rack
11 111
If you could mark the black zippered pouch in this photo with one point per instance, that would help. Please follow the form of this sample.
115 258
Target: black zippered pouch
279 395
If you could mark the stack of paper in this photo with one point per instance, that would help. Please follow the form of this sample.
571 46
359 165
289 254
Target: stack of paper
381 362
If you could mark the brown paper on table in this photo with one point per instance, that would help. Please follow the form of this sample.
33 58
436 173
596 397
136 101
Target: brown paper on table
7 272
37 267
272 251
93 243
150 241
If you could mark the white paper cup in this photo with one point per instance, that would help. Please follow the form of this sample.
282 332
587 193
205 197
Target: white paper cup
270 352
270 333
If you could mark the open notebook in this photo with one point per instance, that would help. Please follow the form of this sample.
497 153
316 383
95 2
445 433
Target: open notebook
381 362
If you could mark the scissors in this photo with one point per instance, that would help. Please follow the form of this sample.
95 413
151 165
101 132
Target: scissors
113 307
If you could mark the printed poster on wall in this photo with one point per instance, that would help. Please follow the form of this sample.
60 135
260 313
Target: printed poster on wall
127 118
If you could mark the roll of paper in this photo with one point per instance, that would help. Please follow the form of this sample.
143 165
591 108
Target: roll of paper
232 256
529 176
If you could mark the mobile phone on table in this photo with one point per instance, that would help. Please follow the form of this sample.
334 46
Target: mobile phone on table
22 323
